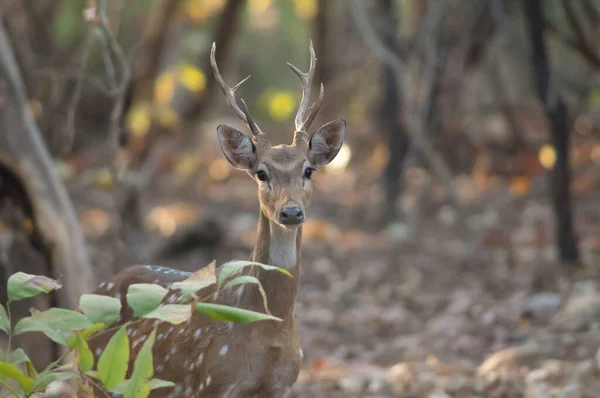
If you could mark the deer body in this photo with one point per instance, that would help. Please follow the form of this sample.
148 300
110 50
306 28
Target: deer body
206 358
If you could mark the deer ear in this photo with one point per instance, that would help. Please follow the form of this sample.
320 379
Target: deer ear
237 148
326 142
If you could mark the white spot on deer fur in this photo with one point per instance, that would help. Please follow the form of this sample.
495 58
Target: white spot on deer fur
173 350
207 380
200 359
176 391
230 325
301 353
160 336
181 331
197 333
138 341
118 296
109 286
98 351
102 285
160 368
201 387
240 291
224 350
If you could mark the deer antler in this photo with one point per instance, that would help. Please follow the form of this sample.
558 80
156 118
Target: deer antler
229 93
306 114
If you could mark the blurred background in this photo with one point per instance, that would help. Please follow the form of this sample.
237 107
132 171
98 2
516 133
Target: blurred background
452 247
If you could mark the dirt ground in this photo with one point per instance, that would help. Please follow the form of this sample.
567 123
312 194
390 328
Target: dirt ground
468 303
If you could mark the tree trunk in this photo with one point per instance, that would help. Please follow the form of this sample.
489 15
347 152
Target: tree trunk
398 141
53 218
560 175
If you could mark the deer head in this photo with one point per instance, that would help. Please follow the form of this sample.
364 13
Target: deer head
283 172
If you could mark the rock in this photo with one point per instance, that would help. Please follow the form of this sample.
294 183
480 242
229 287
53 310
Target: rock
399 231
499 360
541 307
571 391
401 376
352 384
536 385
582 307
439 395
583 372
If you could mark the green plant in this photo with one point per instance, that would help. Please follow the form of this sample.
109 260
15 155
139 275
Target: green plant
73 329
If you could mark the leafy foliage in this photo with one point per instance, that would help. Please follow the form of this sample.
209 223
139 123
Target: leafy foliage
73 329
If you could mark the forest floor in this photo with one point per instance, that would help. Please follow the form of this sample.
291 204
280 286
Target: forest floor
448 304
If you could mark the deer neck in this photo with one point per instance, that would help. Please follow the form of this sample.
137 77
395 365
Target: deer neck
279 247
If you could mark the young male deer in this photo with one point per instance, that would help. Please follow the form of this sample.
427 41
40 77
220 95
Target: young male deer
205 358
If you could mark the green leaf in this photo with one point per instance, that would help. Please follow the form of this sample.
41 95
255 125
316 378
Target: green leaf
100 309
4 321
188 288
229 268
68 22
86 358
11 371
86 333
22 286
158 383
56 323
44 379
112 365
154 384
594 97
18 356
225 313
172 313
240 280
143 370
145 297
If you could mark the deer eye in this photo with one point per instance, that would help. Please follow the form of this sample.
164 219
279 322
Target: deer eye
261 175
308 172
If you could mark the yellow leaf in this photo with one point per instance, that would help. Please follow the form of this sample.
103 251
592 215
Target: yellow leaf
547 156
281 105
139 121
200 10
305 9
257 7
103 179
520 185
192 78
187 165
167 117
164 88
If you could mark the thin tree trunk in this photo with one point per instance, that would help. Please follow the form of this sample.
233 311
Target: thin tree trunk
560 175
398 141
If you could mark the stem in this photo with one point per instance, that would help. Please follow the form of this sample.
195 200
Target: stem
10 334
99 387
9 388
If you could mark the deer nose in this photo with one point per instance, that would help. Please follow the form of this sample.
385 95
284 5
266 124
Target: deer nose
291 215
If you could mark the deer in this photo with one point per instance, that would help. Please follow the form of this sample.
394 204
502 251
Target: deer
207 358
